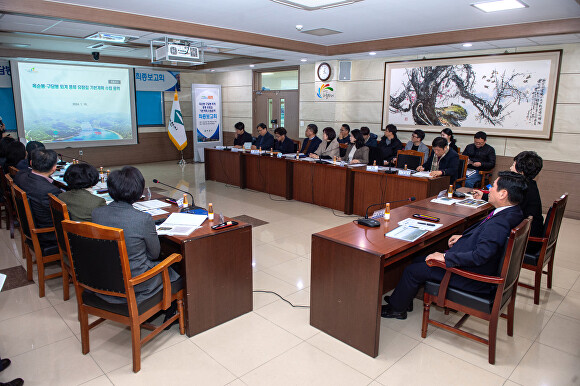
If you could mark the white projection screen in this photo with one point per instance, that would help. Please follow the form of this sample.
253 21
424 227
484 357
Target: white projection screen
63 105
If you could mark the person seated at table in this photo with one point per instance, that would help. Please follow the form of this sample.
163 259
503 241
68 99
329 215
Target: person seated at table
311 143
479 249
447 133
443 161
481 157
3 148
328 149
344 134
242 136
370 138
125 188
416 143
356 152
36 182
529 164
79 200
16 156
265 140
390 144
30 147
283 144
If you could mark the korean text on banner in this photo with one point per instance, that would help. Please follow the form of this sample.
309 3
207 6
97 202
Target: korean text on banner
175 128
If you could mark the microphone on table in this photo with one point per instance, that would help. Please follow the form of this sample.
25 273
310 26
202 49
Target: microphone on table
61 162
192 206
371 222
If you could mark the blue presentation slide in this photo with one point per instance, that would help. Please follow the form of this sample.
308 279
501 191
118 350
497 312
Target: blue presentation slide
68 103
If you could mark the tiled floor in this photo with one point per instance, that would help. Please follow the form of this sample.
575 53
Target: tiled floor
275 344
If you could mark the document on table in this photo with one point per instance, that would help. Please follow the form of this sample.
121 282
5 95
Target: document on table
151 204
422 174
472 203
406 233
424 225
444 200
181 224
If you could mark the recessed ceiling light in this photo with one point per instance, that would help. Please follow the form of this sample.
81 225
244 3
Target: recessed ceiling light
467 44
372 53
251 65
499 5
212 70
299 27
313 5
303 60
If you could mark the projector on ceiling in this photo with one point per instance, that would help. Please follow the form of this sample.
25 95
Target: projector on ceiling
178 51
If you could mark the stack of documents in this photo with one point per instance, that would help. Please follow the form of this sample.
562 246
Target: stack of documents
153 207
180 224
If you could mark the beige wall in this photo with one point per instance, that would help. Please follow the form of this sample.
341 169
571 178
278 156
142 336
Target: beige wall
359 102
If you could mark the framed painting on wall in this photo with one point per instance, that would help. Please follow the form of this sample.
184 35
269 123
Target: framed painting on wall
508 95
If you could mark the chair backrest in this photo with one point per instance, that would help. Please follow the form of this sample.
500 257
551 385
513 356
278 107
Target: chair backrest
375 154
99 257
513 258
12 170
296 145
553 222
462 170
59 214
22 210
411 158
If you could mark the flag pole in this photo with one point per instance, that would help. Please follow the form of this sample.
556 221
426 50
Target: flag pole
182 162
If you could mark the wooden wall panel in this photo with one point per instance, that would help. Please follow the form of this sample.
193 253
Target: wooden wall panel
555 179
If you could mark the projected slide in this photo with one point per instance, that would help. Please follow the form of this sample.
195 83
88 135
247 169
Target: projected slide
72 104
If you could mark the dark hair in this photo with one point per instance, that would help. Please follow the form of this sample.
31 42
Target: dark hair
365 130
449 132
262 125
359 139
280 131
15 152
43 159
529 163
313 127
480 135
126 185
346 126
419 133
239 126
439 142
330 133
31 147
4 145
515 184
81 176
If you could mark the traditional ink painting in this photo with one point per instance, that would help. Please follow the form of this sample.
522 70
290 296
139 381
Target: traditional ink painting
504 95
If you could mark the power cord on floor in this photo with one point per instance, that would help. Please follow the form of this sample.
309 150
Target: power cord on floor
287 301
339 215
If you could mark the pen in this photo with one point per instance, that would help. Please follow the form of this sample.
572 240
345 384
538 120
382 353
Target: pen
425 223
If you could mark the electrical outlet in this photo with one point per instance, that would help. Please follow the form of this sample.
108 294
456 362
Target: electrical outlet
80 152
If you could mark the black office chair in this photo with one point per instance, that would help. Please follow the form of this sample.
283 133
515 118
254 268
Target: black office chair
375 155
413 159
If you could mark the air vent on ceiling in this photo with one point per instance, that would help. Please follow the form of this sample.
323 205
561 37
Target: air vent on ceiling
321 32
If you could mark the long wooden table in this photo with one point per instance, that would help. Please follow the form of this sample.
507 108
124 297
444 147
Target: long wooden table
349 189
217 267
353 266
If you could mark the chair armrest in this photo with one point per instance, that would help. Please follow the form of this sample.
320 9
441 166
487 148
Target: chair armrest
467 274
159 268
42 230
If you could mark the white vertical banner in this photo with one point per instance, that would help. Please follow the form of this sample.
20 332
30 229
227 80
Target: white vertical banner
207 118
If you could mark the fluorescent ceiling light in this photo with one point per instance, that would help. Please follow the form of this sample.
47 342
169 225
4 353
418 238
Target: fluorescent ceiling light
499 5
467 44
312 5
110 37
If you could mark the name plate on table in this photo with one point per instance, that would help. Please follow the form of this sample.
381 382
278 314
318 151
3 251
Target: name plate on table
256 152
404 173
220 147
235 149
372 168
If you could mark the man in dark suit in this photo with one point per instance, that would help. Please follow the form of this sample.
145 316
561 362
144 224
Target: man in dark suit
265 140
241 135
443 160
481 157
36 182
283 144
311 142
478 250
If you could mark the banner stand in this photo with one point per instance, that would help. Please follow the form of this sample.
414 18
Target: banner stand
207 118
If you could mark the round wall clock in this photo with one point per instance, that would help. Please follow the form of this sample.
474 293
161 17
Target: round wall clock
324 71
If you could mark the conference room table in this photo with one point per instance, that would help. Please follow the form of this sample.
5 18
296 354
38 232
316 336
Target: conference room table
352 267
347 188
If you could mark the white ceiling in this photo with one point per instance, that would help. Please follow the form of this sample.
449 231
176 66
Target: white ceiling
361 21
